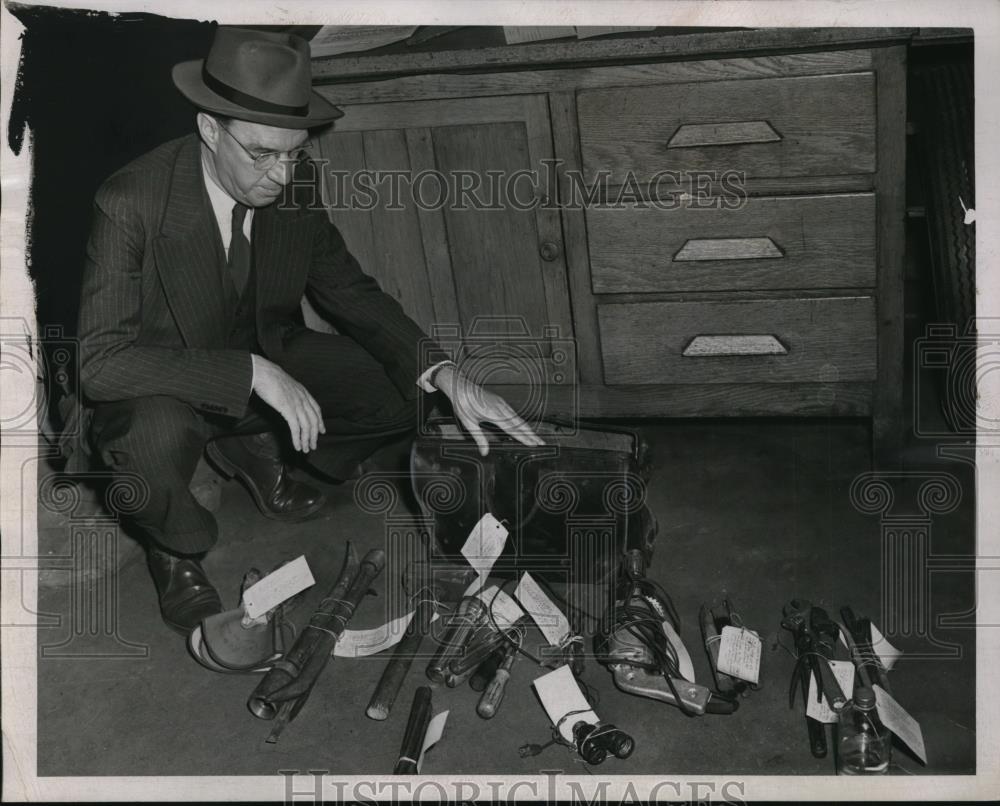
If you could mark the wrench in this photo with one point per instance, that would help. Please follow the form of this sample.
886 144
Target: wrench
815 638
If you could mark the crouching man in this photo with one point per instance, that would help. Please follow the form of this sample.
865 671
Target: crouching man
190 325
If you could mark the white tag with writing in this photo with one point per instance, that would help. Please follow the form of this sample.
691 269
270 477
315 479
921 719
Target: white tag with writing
500 606
560 695
739 653
484 544
277 587
895 718
435 730
843 670
549 618
362 643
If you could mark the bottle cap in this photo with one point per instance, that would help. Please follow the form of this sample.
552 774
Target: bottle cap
864 697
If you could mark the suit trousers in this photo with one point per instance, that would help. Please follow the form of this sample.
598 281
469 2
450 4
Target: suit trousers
161 439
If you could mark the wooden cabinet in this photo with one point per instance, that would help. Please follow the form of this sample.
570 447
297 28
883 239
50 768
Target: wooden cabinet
711 236
409 185
793 126
823 241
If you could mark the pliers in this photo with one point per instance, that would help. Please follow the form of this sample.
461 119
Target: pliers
815 643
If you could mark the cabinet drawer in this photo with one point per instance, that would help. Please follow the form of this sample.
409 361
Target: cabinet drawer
822 340
769 127
775 242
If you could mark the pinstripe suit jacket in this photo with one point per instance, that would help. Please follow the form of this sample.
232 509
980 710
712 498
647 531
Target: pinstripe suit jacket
153 316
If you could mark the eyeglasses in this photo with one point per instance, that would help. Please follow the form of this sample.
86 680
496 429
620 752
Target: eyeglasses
268 159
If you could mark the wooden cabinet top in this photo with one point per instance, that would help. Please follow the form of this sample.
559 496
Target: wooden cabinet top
616 50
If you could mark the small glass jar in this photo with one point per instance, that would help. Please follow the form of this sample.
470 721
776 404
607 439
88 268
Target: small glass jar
864 744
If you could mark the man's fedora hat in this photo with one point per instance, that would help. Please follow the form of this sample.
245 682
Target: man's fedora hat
258 76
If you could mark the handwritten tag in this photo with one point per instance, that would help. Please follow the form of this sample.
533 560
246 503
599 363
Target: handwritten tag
739 653
549 618
895 718
560 695
484 544
504 610
362 643
435 730
277 587
843 670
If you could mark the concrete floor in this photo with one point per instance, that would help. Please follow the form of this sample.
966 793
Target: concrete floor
756 509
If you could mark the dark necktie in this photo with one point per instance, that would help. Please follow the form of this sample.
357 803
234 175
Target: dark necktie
239 250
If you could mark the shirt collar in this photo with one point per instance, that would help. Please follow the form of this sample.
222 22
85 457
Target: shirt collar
222 202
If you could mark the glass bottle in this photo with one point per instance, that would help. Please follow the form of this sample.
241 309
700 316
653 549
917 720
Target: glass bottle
864 744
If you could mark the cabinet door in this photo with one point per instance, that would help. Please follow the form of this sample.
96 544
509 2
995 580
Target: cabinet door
484 266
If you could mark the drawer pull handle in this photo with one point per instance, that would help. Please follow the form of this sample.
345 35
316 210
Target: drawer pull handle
693 135
728 249
716 346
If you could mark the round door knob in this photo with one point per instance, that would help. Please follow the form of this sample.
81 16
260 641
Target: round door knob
549 250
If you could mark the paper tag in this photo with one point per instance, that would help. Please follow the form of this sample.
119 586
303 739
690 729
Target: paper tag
843 670
277 587
739 653
484 544
362 643
560 695
435 729
549 618
895 718
684 664
886 652
504 610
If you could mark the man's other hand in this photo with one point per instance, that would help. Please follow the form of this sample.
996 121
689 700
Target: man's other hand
475 405
291 400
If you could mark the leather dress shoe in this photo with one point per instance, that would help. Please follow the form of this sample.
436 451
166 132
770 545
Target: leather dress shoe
186 595
256 461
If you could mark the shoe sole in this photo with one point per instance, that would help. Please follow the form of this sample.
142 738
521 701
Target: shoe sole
230 470
178 628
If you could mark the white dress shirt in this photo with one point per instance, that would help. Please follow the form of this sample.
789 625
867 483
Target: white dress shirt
222 206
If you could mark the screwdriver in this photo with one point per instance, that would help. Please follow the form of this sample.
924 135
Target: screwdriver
490 701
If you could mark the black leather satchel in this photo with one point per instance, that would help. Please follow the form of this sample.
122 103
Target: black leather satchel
572 507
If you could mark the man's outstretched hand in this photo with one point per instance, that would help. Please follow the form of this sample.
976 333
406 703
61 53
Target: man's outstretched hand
475 405
291 400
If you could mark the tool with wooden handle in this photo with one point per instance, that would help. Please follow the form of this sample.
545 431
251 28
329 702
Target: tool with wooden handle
399 665
283 691
723 682
485 671
478 650
491 698
415 733
870 667
471 613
